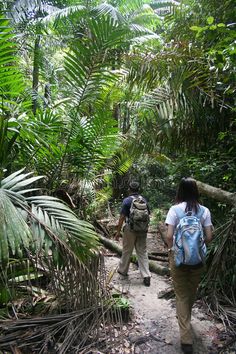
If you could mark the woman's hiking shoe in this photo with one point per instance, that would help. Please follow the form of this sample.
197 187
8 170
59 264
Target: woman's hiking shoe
187 348
147 281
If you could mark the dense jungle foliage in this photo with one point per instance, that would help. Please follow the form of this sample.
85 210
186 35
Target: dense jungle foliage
93 94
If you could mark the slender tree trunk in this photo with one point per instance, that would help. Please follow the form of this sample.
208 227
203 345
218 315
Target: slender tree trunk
47 95
36 74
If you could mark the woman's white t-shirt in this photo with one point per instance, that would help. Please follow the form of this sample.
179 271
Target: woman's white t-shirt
172 218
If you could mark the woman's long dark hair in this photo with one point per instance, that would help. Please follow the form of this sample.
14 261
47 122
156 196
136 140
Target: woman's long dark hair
188 192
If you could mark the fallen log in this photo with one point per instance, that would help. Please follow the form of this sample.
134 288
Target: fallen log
158 259
217 193
161 254
155 268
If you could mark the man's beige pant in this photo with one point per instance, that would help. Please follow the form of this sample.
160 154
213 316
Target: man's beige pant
138 241
185 282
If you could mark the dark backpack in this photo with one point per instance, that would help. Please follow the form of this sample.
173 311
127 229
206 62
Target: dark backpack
189 244
139 215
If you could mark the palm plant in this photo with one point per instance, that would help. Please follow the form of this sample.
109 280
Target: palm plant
92 70
47 253
45 248
39 225
38 222
11 86
92 66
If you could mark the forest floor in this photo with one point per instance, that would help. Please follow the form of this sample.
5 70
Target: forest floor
152 326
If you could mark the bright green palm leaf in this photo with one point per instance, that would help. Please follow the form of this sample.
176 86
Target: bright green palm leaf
11 82
61 219
15 234
50 225
27 191
13 181
87 65
22 184
11 177
107 9
59 15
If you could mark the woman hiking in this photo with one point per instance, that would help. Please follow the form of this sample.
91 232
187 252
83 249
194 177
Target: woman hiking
186 275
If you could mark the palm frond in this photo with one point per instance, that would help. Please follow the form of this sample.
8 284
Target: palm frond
27 10
46 160
154 98
59 15
15 234
11 81
93 140
146 38
121 162
107 9
39 141
163 3
88 65
164 7
11 85
141 30
50 222
131 7
19 182
219 281
147 18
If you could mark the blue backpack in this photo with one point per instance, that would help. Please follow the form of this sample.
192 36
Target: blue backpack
189 241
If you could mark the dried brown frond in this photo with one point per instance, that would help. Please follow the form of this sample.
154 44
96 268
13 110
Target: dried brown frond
77 313
219 284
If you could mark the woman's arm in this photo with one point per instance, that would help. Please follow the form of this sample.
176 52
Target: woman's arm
208 231
169 235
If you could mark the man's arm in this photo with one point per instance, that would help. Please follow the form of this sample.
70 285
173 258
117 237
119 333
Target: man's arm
119 226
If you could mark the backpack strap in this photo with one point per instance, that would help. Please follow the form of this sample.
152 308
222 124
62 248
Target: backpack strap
134 197
180 213
137 197
200 212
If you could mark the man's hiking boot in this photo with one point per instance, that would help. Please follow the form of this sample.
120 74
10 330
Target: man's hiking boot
147 281
123 274
187 348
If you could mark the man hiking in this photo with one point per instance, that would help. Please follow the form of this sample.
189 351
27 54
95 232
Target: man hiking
135 213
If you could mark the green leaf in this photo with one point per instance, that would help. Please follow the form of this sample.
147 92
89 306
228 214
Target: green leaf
210 20
11 177
39 223
195 28
14 231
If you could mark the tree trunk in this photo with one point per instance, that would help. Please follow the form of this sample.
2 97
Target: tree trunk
217 193
155 268
35 74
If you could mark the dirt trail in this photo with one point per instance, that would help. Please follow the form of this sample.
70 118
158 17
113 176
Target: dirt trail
153 327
